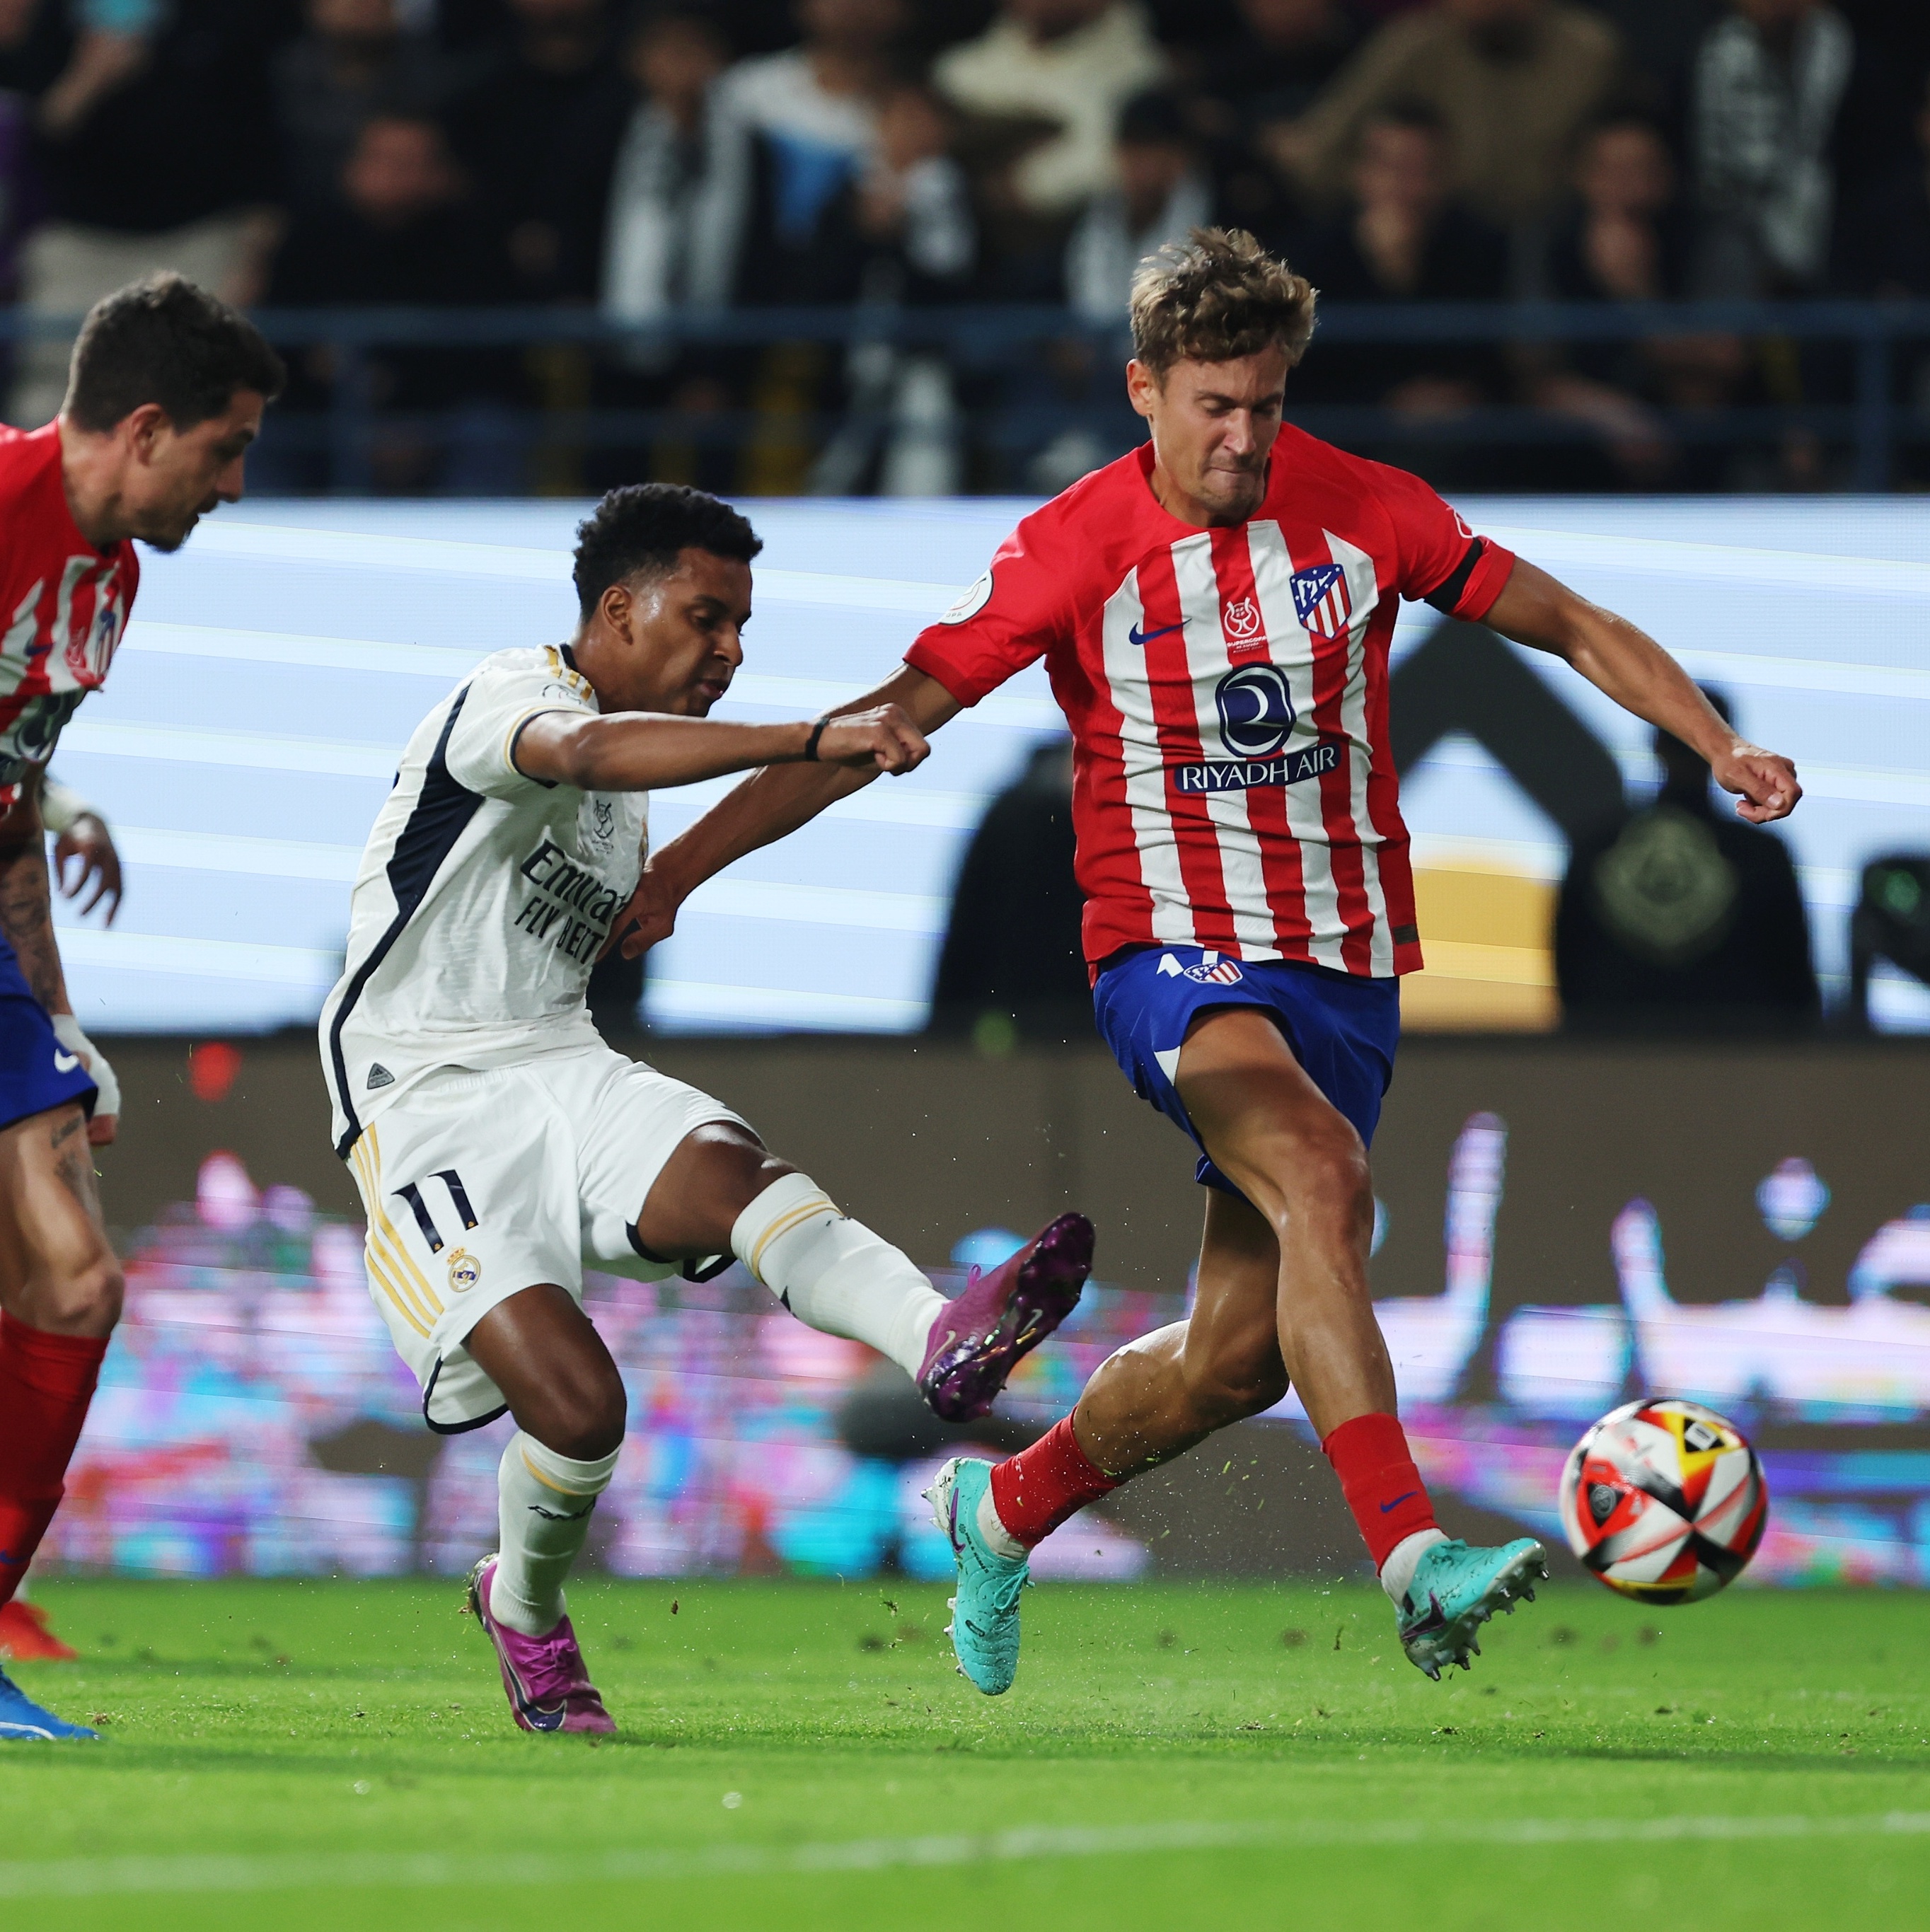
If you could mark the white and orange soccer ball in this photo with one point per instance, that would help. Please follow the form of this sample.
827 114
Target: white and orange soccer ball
1664 1501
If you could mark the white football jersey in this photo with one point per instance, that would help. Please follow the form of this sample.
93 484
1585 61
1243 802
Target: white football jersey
483 899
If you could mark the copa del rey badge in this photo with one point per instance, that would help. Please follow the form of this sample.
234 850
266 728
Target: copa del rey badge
1322 601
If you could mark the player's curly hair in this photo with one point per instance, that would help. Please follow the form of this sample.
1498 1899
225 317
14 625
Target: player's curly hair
642 529
1216 297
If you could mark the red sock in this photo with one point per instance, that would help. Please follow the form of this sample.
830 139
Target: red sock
47 1382
1377 1478
1035 1491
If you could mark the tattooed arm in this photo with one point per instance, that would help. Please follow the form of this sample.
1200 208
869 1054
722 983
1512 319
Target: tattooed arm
26 906
26 919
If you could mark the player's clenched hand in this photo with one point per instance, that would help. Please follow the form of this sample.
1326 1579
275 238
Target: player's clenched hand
881 739
648 919
1767 783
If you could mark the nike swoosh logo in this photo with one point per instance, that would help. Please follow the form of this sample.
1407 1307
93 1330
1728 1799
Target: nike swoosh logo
64 1063
1137 636
1398 1501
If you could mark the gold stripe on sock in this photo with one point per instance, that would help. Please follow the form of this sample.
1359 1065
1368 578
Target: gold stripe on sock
548 1483
820 1204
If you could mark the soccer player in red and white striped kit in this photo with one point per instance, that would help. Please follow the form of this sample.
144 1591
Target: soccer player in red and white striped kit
166 393
1214 611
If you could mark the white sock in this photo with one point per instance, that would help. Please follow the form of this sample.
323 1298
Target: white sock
1397 1572
834 1273
992 1527
544 1502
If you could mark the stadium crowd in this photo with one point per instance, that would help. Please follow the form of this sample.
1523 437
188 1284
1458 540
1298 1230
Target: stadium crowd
319 153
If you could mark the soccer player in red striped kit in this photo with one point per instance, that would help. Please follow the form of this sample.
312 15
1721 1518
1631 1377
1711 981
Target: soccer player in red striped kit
166 393
1214 611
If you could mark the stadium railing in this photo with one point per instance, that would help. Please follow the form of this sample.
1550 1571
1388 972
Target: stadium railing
1857 395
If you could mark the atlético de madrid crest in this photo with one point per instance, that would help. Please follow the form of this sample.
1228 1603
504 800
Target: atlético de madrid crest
1323 601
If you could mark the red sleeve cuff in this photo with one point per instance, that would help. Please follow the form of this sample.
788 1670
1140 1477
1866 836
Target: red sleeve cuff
928 654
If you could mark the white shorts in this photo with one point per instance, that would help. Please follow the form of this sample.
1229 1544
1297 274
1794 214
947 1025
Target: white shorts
477 1185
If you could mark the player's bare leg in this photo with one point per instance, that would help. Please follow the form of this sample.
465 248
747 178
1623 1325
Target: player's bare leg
1284 1295
564 1390
60 1296
723 1193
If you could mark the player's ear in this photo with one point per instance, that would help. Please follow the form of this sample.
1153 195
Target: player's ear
145 428
617 607
1143 387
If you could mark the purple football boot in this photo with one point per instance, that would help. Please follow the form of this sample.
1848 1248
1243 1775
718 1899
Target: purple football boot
982 1333
549 1688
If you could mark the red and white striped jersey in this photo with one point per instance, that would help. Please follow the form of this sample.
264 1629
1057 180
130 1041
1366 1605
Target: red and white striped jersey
1233 785
63 604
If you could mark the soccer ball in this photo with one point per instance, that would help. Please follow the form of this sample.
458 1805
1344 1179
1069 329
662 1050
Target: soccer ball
1664 1501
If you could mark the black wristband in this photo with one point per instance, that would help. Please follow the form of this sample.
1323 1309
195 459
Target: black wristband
810 742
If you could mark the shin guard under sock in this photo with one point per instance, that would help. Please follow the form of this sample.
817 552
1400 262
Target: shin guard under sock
544 1506
46 1383
834 1274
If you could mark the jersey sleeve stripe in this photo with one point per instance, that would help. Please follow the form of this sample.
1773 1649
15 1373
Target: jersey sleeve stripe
441 815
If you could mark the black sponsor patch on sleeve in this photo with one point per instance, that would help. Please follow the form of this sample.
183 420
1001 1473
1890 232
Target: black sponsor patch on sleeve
1407 935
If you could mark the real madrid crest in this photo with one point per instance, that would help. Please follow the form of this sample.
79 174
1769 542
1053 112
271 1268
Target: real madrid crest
465 1271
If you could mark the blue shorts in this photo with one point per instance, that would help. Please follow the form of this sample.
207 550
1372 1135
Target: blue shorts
1343 1030
36 1072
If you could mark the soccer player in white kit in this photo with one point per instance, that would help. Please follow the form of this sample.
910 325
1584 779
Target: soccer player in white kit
499 1145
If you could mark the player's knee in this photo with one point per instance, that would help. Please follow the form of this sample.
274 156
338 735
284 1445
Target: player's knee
1331 1172
592 1423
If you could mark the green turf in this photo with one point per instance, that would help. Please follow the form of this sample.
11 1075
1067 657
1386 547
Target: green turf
317 1735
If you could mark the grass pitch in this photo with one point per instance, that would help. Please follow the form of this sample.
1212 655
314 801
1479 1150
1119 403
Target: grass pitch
300 1756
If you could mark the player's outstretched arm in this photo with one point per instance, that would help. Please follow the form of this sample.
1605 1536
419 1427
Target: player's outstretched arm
651 752
26 919
767 807
1616 657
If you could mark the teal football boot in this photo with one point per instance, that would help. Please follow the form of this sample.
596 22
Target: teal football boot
1456 1589
984 1628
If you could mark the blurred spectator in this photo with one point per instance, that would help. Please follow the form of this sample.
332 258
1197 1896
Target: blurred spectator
1769 82
1403 241
513 124
1269 72
1684 919
1163 194
655 184
403 233
1885 252
813 113
1056 73
906 233
1513 82
354 59
1624 240
1885 246
158 148
1286 52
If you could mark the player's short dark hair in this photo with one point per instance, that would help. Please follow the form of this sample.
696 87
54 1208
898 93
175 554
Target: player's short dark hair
644 527
162 340
1216 298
